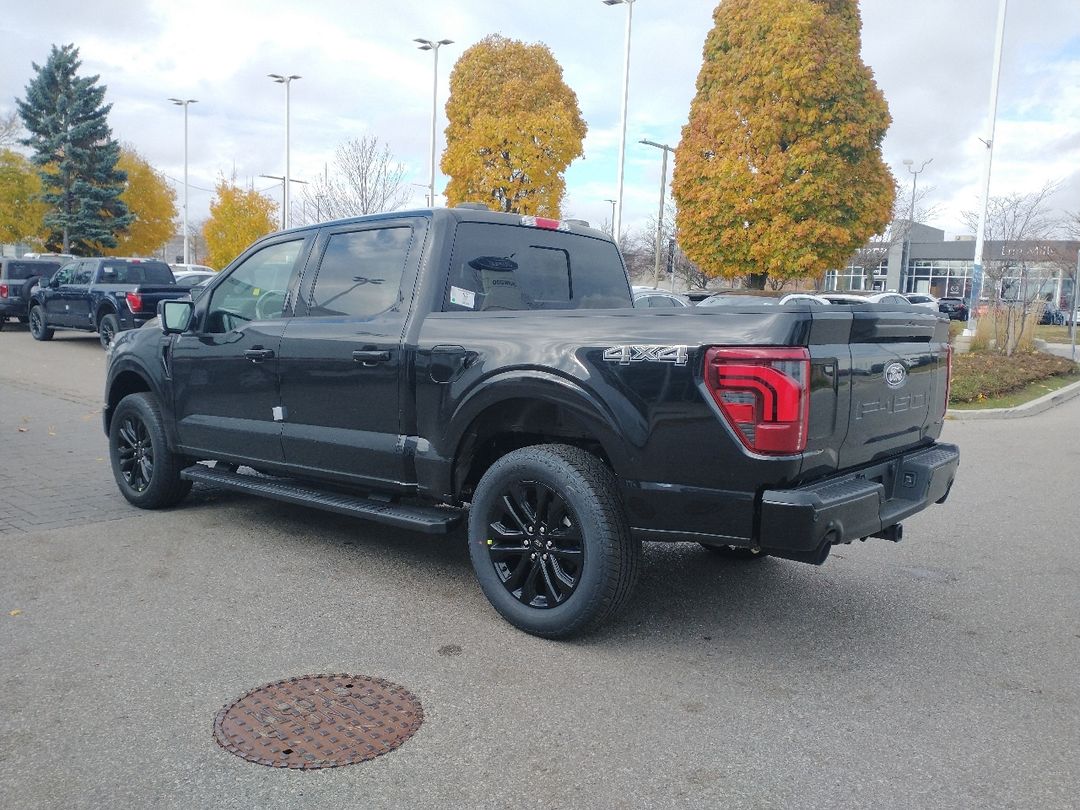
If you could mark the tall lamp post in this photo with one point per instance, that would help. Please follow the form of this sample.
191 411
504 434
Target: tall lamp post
663 197
995 80
911 217
609 200
283 182
287 81
616 225
433 46
184 102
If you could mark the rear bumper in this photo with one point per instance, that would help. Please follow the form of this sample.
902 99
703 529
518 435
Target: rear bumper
858 504
12 307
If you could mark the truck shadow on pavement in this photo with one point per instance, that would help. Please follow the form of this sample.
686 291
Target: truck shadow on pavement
687 599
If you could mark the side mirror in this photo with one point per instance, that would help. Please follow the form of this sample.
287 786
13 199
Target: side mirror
175 316
54 283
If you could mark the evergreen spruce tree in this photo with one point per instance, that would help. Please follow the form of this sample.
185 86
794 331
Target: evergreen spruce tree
75 153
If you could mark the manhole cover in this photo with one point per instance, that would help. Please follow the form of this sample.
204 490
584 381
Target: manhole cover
319 721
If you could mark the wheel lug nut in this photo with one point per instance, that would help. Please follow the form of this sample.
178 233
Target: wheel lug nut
543 529
532 556
544 556
550 544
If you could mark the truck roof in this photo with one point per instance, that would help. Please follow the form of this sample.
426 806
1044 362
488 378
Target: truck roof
469 214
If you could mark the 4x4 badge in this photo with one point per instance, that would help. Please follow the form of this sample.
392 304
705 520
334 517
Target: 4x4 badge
895 374
625 355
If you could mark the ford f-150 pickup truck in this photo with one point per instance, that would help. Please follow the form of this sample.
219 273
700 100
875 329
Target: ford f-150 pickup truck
103 295
426 367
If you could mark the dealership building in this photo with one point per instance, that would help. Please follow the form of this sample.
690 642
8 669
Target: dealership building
1035 268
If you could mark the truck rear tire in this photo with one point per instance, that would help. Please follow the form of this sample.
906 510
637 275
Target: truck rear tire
108 326
147 472
37 324
549 541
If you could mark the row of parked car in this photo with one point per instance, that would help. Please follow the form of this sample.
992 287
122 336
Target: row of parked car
104 294
651 297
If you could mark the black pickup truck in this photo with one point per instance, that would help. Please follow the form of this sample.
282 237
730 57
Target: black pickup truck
417 368
103 295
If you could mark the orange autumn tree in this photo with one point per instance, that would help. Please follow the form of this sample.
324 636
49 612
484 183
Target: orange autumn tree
237 218
513 128
779 172
151 202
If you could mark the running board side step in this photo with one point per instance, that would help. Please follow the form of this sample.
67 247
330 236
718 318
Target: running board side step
426 519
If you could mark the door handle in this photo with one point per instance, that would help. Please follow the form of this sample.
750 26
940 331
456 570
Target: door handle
370 357
257 355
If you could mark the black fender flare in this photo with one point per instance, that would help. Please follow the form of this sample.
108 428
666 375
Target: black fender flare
127 366
547 387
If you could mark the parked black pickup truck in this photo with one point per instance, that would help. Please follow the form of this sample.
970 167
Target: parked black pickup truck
403 367
103 295
18 278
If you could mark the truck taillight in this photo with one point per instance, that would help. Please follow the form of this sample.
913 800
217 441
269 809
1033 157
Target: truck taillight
134 302
3 290
764 394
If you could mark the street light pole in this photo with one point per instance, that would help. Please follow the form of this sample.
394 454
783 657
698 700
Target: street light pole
184 102
433 46
660 217
995 80
284 183
608 199
616 225
287 81
911 218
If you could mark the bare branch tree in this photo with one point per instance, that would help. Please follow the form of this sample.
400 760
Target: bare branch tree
11 130
1010 219
365 179
876 251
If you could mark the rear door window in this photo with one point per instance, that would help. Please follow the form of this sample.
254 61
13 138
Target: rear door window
509 267
360 273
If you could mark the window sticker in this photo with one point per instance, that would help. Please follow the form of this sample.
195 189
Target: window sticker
463 298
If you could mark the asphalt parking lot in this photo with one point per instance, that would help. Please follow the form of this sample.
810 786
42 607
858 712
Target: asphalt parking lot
940 672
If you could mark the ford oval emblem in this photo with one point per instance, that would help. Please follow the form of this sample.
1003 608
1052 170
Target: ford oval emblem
895 374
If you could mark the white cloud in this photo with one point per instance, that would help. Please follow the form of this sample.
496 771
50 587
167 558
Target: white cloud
362 74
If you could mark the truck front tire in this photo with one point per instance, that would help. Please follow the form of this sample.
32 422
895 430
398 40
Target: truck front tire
108 326
549 541
147 472
38 326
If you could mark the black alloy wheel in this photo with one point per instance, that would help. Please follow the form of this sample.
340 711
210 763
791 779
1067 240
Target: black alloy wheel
107 329
136 453
146 470
549 540
37 325
535 545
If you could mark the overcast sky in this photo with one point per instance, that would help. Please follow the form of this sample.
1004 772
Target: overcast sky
362 75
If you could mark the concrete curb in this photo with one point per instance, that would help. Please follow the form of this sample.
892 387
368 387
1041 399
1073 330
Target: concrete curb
1043 403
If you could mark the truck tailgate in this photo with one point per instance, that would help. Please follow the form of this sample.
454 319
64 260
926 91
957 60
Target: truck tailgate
891 395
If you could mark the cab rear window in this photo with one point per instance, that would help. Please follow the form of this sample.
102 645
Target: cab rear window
509 267
119 272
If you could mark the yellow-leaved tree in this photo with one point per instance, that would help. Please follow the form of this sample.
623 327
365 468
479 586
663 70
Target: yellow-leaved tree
513 127
779 172
150 200
237 218
22 208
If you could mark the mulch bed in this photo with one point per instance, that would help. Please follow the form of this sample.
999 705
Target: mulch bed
984 375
